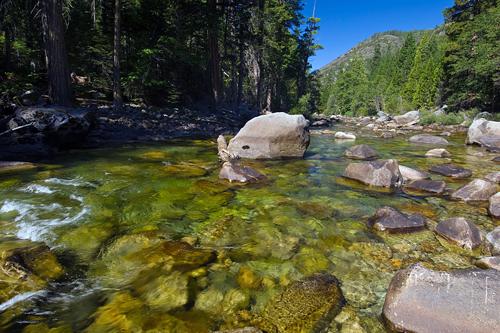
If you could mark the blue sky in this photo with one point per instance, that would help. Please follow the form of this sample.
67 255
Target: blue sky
345 23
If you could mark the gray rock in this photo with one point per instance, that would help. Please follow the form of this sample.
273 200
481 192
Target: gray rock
481 128
493 240
235 172
460 231
391 220
493 177
476 190
410 174
270 136
494 208
490 142
411 117
451 170
427 186
496 159
361 152
438 152
489 262
382 173
428 139
426 301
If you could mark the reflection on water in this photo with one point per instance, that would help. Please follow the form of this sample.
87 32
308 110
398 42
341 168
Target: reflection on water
152 241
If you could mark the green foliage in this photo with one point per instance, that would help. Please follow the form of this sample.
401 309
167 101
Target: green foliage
452 118
472 56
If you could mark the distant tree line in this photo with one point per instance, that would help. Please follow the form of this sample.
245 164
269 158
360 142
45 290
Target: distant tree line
162 52
458 65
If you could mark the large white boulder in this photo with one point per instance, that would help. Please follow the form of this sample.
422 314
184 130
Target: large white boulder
484 132
271 136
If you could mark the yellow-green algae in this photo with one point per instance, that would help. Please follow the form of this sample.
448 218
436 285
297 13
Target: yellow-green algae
153 241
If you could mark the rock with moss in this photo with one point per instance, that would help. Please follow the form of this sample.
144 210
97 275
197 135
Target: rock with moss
308 305
390 220
25 267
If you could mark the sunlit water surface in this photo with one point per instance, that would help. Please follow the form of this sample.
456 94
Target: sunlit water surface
108 214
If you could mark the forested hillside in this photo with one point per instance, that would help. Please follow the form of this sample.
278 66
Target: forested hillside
457 64
159 52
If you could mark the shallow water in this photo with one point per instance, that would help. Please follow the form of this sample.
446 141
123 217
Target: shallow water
108 214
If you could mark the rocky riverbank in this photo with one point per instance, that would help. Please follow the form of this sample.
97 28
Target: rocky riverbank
37 133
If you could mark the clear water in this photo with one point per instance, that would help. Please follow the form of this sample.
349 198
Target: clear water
108 214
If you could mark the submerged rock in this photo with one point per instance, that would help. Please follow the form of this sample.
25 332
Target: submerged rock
428 139
460 231
482 129
476 190
25 266
493 240
187 170
270 136
304 306
235 172
345 136
241 330
427 301
489 262
410 174
493 177
383 173
496 159
438 152
165 292
451 170
391 220
361 152
494 207
427 186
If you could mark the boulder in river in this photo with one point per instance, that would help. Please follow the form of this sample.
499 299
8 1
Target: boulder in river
489 262
426 186
451 170
476 190
490 142
493 177
382 173
427 139
460 231
482 129
361 152
304 306
496 159
494 207
427 301
438 152
409 118
271 136
410 174
493 240
345 136
235 172
391 220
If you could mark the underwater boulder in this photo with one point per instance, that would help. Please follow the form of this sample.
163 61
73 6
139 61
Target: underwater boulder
438 152
306 305
426 301
271 136
235 172
427 139
391 220
410 174
361 152
382 173
426 186
460 231
345 136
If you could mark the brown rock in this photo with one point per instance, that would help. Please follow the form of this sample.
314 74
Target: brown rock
476 190
460 231
361 152
425 185
391 220
489 262
383 173
451 170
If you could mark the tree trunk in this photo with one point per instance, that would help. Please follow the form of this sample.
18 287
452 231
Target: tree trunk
214 69
117 89
56 56
241 66
260 46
